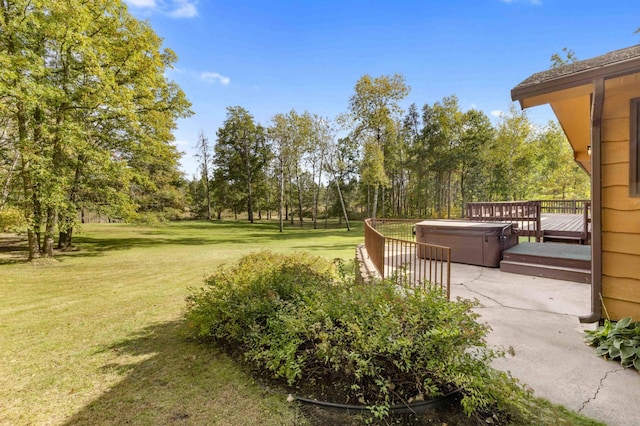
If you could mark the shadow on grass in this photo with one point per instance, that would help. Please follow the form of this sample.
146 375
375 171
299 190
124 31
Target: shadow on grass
13 249
169 379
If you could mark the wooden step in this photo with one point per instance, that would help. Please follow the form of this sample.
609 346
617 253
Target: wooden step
553 254
578 275
562 262
562 239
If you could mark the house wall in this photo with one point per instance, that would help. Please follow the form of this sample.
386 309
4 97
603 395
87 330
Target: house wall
620 212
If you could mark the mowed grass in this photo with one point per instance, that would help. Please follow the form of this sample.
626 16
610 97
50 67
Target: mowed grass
97 336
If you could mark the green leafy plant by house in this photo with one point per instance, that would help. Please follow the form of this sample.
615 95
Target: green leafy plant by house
618 341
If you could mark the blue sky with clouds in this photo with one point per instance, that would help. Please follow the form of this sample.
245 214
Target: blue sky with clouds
273 56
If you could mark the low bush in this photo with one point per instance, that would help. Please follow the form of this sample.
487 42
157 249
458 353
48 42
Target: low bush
304 321
12 220
617 340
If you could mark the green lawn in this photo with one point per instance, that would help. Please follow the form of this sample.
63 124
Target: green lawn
96 336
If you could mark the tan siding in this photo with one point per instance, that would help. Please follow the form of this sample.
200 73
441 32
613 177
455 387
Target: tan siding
618 309
620 221
615 175
615 152
620 213
615 129
615 241
616 107
621 289
617 198
620 265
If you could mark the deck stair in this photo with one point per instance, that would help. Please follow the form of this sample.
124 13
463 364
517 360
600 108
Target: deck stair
567 262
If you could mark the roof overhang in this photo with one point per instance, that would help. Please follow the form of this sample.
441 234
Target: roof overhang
548 82
569 91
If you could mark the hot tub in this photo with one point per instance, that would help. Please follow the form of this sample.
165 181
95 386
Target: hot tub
474 243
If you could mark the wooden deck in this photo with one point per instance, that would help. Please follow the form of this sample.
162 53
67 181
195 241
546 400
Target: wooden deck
556 226
544 221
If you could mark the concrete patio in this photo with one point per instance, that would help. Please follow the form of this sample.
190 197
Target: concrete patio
535 320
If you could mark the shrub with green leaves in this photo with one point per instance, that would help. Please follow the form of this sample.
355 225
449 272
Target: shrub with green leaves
617 340
11 220
303 321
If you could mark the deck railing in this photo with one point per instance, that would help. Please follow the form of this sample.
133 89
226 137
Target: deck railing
563 206
393 250
586 221
527 214
524 214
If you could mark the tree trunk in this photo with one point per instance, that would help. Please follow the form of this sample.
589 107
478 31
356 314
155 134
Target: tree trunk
344 210
7 183
281 203
326 209
299 196
64 239
206 186
375 201
316 195
47 247
289 198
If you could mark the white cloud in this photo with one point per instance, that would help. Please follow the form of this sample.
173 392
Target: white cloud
213 77
496 113
172 8
180 143
142 3
184 9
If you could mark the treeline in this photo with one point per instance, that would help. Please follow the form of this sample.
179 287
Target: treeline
377 160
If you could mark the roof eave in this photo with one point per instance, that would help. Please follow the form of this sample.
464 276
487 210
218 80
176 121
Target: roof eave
573 80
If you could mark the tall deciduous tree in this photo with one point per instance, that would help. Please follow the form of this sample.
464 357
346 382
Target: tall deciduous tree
281 135
341 164
374 110
556 175
204 155
510 156
83 84
476 138
241 156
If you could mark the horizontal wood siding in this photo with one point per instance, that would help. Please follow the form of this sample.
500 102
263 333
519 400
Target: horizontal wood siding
620 212
613 241
620 265
621 288
617 309
617 198
620 221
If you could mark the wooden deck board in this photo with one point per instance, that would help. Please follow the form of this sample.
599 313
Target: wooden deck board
556 224
562 222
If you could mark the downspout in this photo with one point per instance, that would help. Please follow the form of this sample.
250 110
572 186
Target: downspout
596 203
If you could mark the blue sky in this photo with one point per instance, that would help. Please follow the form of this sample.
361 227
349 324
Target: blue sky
273 56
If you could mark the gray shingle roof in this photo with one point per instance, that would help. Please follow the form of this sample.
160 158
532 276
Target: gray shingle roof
588 65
